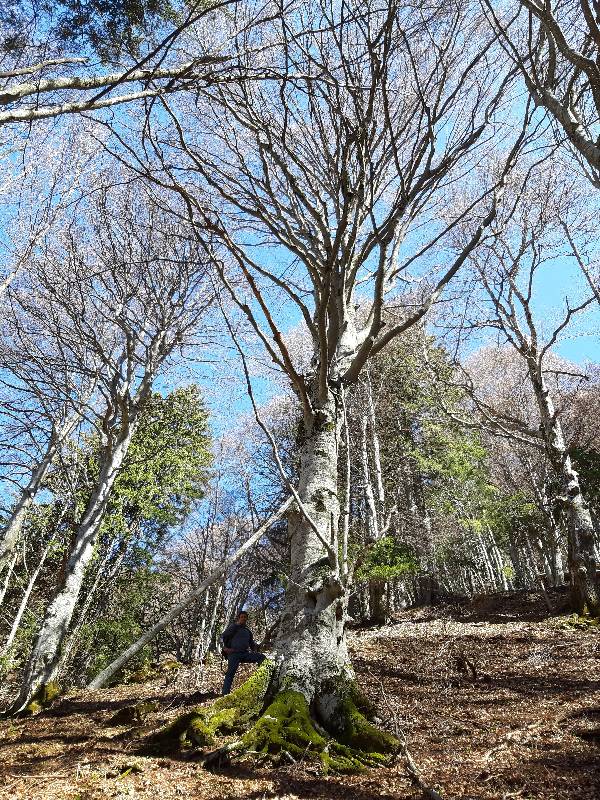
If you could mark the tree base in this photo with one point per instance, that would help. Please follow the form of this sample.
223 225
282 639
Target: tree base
42 699
286 730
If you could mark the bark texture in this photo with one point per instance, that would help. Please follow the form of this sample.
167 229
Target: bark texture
311 639
583 563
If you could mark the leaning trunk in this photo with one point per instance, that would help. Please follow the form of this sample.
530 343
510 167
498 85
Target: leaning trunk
25 599
12 530
45 657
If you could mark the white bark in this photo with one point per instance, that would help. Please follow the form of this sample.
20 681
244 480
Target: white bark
376 449
12 530
48 86
7 577
71 641
583 563
371 515
25 599
311 639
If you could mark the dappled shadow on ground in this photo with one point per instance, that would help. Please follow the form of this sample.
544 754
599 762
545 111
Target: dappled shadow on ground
82 705
521 721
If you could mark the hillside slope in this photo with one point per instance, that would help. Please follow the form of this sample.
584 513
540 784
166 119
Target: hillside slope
495 700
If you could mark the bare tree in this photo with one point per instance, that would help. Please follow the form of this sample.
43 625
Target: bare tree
131 288
509 269
556 47
28 94
348 159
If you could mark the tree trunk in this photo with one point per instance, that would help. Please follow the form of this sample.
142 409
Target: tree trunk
583 563
7 577
71 642
311 638
45 656
25 599
376 605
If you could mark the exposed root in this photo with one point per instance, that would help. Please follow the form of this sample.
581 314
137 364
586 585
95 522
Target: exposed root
286 730
345 712
226 715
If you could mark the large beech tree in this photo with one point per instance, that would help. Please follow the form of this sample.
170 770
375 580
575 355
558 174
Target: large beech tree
352 164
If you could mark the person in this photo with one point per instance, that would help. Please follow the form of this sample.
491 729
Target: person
239 647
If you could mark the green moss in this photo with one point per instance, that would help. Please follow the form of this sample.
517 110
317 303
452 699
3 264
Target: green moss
171 665
286 727
357 732
353 727
49 692
33 708
582 621
43 698
226 715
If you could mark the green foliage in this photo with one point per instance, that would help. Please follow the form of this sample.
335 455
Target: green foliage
516 514
165 470
443 467
107 26
164 474
587 463
386 559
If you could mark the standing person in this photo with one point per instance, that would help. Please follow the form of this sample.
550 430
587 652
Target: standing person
239 647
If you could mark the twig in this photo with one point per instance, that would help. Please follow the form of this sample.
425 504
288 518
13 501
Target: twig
414 771
411 767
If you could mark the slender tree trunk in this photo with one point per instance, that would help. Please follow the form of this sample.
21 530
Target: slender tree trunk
195 650
25 599
376 605
71 641
45 656
7 577
376 450
371 514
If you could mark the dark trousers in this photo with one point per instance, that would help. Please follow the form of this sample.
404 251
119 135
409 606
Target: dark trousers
233 662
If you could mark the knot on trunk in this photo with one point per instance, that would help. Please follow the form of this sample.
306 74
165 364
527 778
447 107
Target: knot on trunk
328 587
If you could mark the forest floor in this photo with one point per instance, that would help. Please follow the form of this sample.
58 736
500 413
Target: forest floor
495 699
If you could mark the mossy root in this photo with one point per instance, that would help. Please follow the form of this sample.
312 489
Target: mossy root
285 730
226 715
